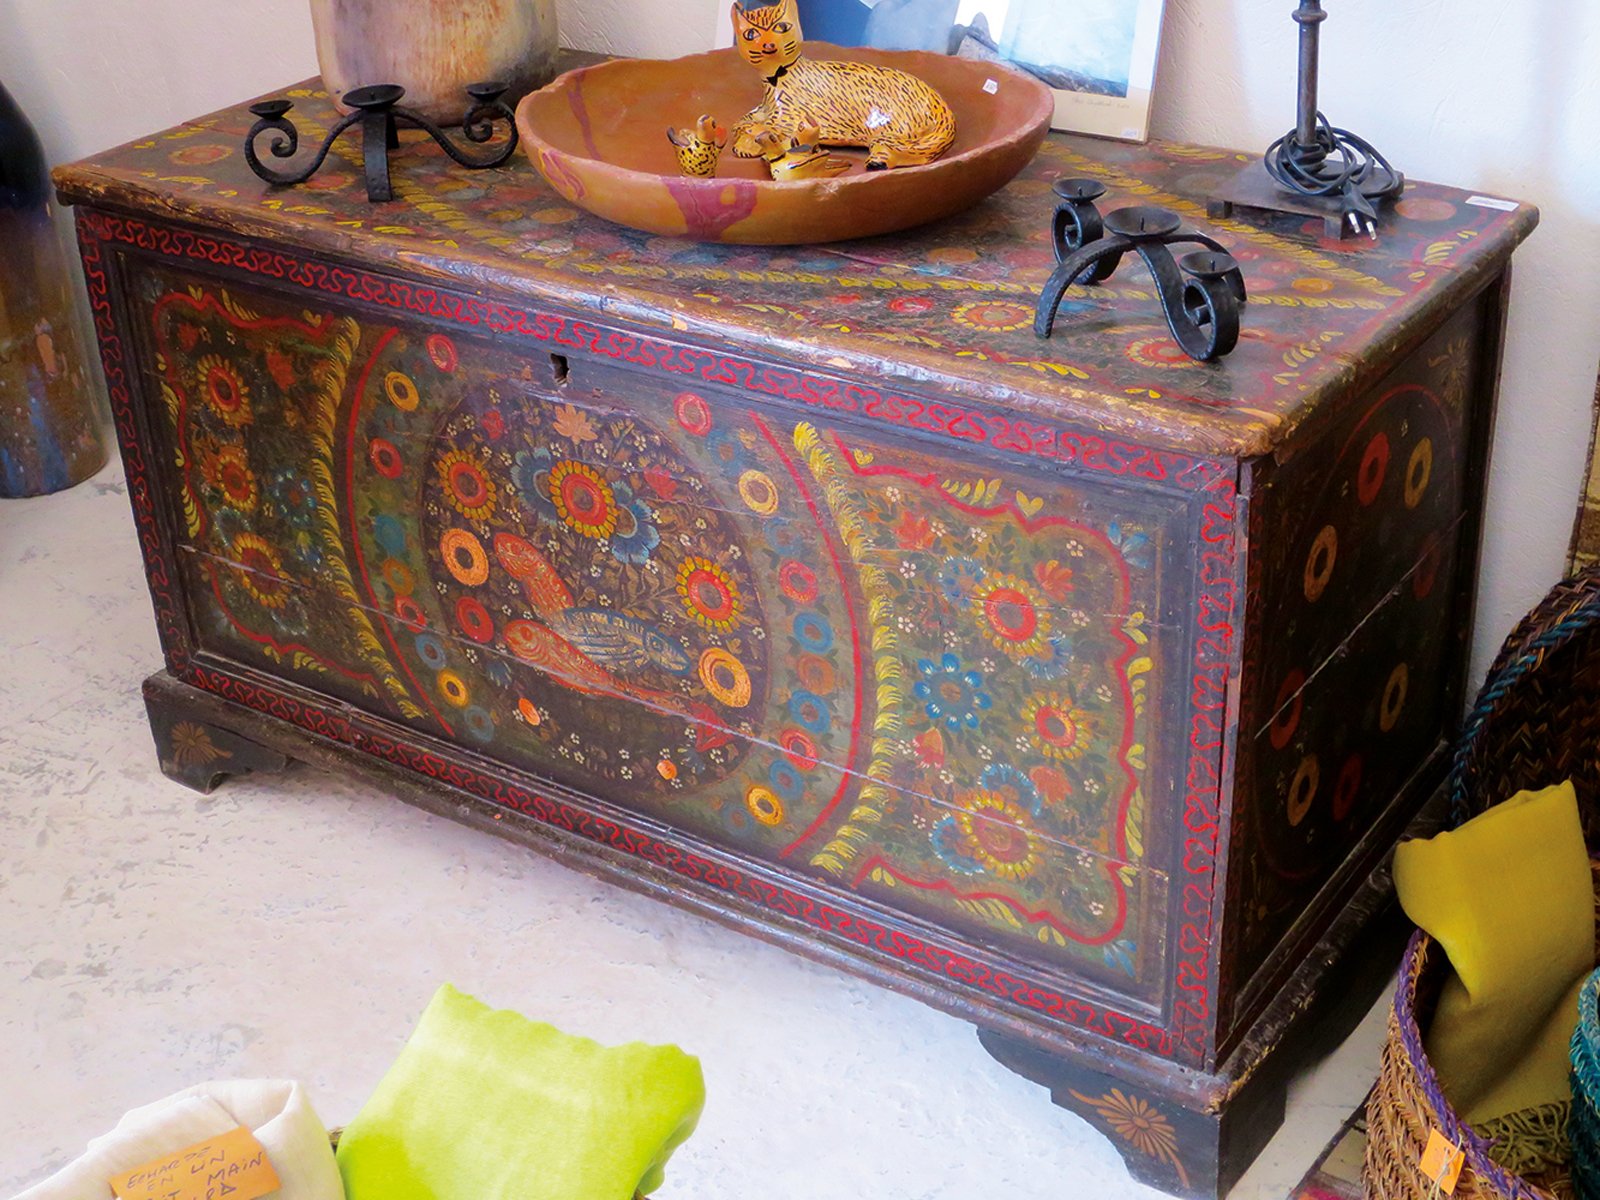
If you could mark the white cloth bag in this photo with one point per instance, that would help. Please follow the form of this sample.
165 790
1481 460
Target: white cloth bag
277 1112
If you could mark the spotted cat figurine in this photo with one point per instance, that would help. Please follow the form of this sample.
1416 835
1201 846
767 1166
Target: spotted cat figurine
899 119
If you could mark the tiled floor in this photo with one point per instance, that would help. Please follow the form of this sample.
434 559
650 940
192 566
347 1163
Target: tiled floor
295 926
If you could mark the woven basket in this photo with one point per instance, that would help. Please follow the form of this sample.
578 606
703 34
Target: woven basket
1535 723
1584 1125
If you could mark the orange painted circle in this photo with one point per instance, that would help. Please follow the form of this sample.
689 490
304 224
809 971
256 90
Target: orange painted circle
464 557
401 391
398 576
725 677
758 492
1311 285
1425 208
453 688
1319 563
1303 789
529 712
1394 697
817 674
1418 472
764 805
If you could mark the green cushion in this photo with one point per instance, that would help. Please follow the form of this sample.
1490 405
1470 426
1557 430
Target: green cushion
488 1105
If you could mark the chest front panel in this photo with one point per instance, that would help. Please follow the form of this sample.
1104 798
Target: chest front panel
955 687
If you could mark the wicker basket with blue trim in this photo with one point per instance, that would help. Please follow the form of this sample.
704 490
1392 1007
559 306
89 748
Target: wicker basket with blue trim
1535 723
1583 1127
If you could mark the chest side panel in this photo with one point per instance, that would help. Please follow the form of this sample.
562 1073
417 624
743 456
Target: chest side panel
977 694
1363 549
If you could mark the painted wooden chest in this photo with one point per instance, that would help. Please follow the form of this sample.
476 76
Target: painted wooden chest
1071 686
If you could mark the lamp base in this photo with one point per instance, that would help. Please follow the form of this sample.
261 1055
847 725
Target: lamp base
1253 190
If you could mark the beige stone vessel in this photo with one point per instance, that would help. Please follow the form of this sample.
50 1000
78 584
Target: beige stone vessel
434 48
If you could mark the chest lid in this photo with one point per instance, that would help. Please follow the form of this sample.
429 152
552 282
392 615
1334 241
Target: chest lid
939 317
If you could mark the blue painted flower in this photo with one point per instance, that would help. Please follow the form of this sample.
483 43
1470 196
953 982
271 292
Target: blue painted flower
813 632
953 849
1135 548
530 471
390 533
292 494
635 535
950 695
498 671
1119 955
1011 783
786 780
728 450
810 710
1054 657
480 725
959 578
431 651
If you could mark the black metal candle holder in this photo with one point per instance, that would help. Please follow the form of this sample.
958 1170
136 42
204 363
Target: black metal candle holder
1201 293
377 110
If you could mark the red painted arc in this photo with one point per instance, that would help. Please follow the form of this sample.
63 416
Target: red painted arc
846 775
357 399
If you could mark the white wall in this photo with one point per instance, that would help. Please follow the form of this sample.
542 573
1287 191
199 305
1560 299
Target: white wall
1491 94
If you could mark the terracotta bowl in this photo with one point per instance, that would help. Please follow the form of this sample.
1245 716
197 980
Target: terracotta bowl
599 136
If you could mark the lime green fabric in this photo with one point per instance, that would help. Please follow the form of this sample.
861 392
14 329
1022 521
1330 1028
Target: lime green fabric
1510 897
488 1105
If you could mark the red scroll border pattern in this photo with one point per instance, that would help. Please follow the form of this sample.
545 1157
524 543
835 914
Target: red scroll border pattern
1186 1038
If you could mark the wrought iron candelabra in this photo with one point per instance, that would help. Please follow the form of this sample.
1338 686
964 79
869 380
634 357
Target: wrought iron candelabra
378 112
1201 293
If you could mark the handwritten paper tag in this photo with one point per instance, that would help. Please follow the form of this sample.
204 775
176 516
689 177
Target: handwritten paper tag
230 1166
1442 1162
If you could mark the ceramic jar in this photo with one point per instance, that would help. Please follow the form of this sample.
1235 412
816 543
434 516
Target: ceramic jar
434 48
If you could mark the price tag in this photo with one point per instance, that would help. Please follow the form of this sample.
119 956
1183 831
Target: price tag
991 86
1442 1162
230 1166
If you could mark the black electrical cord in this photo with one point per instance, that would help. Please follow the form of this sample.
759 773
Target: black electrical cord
1336 163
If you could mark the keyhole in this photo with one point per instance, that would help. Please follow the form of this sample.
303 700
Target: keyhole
558 366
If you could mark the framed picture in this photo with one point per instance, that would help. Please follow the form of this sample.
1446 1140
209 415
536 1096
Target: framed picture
1098 56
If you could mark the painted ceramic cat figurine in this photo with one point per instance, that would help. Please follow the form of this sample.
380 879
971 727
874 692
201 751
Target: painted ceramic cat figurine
898 118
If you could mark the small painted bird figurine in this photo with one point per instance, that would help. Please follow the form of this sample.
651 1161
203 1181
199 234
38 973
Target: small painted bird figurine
699 148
